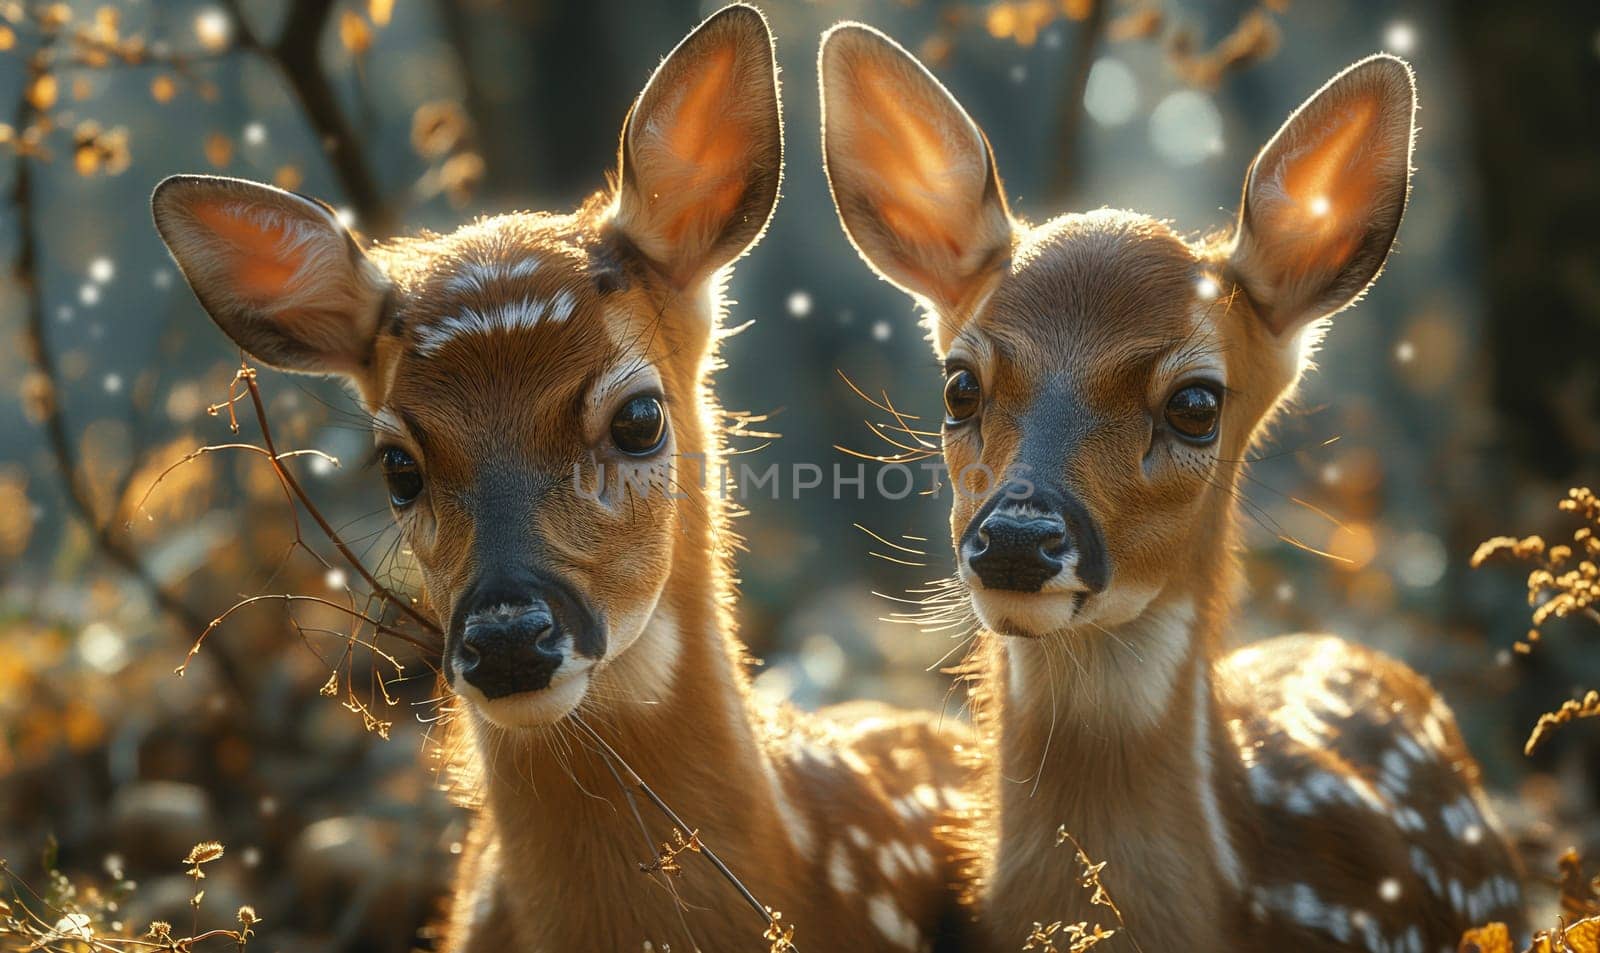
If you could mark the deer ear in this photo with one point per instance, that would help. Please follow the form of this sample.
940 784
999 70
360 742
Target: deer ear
912 175
702 149
1324 198
276 271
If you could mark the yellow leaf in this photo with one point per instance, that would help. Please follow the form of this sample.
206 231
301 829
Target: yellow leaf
44 92
354 32
8 38
288 177
163 88
380 11
1493 938
219 150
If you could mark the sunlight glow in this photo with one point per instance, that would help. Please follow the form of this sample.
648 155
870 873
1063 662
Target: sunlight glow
1399 37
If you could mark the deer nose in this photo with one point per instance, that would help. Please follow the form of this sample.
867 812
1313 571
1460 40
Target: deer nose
510 649
1018 550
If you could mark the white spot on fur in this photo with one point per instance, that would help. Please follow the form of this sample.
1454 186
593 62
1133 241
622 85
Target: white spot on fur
840 873
926 796
895 926
922 858
1221 842
858 837
1389 890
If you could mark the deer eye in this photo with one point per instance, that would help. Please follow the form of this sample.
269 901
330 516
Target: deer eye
403 475
1193 412
962 395
640 426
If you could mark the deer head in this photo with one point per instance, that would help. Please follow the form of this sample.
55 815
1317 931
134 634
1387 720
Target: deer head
531 377
1102 374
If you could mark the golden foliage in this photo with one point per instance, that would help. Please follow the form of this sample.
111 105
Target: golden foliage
219 150
16 512
100 150
438 128
68 916
1254 38
44 91
354 32
163 88
1081 936
1564 582
1580 900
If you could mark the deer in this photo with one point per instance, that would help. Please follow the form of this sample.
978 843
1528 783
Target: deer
539 390
1113 377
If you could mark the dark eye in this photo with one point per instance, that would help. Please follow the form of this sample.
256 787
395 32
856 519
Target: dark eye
1193 412
639 426
962 395
403 475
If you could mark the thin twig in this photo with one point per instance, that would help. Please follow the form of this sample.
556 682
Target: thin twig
678 822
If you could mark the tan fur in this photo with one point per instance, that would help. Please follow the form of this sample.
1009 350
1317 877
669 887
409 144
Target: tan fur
503 352
1303 793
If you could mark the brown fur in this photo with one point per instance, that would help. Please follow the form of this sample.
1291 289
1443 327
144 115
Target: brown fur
495 357
1302 793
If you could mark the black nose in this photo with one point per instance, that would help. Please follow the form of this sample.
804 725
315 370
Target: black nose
509 649
1017 550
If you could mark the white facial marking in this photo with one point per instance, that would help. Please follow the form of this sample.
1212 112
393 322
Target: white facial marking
477 277
506 316
561 306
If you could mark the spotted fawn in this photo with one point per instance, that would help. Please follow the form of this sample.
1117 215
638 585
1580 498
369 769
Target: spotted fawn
538 385
1302 793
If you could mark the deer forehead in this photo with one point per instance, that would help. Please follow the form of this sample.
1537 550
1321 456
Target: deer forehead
1098 299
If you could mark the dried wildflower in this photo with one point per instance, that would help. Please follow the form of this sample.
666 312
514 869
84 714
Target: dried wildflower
1491 938
779 937
1580 895
1586 707
666 859
1079 936
1564 582
204 853
99 150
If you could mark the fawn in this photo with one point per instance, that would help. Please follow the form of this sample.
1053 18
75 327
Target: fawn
534 380
1301 793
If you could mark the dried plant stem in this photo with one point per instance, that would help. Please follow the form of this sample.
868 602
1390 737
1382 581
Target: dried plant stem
639 784
247 375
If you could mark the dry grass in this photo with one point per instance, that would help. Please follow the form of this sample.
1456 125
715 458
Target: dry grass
72 917
1564 583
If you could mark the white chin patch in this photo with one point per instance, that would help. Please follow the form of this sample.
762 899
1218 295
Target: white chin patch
529 709
1024 613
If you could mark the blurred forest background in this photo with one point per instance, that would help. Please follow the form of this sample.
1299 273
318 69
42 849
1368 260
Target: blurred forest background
1459 401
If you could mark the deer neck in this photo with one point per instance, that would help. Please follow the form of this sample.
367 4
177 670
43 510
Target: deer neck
675 707
1116 735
